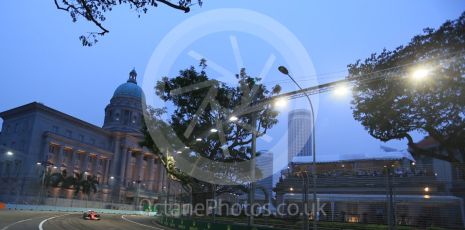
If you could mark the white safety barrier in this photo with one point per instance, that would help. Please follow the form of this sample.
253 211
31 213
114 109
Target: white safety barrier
73 209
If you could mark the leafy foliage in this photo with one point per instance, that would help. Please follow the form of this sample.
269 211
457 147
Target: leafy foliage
390 104
200 104
86 183
94 11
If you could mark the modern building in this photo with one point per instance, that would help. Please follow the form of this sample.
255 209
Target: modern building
265 164
383 188
299 135
39 144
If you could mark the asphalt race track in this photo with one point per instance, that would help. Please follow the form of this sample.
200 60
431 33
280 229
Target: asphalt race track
23 220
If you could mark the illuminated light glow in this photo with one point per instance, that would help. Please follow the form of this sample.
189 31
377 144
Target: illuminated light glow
413 163
420 74
38 163
213 130
54 167
233 118
426 189
178 152
112 177
9 153
292 189
280 103
186 147
426 196
341 90
198 139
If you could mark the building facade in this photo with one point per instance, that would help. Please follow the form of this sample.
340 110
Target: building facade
38 142
385 189
299 134
265 164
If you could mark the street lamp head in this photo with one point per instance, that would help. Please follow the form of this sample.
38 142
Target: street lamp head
112 177
283 70
280 102
233 118
198 139
420 74
39 163
9 153
213 130
341 90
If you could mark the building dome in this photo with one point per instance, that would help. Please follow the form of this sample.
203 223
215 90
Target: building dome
124 113
130 88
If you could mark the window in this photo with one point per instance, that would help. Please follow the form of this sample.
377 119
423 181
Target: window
52 148
134 119
127 116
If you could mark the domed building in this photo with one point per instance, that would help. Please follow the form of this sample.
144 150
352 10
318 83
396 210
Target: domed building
46 142
124 113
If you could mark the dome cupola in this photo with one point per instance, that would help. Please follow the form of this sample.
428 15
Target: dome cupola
124 113
130 88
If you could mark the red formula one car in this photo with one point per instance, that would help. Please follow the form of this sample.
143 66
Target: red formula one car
91 215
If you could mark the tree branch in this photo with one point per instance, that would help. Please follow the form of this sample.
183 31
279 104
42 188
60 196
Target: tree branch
415 150
90 17
179 7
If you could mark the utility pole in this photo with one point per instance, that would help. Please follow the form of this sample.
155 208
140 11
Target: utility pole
390 193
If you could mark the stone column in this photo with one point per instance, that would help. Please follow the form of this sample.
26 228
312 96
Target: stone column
139 167
123 173
70 164
128 166
46 150
150 172
106 170
59 158
94 167
116 158
85 162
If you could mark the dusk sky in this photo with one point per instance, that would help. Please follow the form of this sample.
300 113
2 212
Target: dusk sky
43 60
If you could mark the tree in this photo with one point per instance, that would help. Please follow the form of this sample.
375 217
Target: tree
94 11
391 105
85 184
200 104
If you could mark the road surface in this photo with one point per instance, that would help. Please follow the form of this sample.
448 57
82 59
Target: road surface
23 220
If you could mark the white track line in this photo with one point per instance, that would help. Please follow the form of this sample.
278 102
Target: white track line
17 222
53 217
148 226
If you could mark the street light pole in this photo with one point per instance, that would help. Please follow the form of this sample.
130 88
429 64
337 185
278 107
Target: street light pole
284 71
